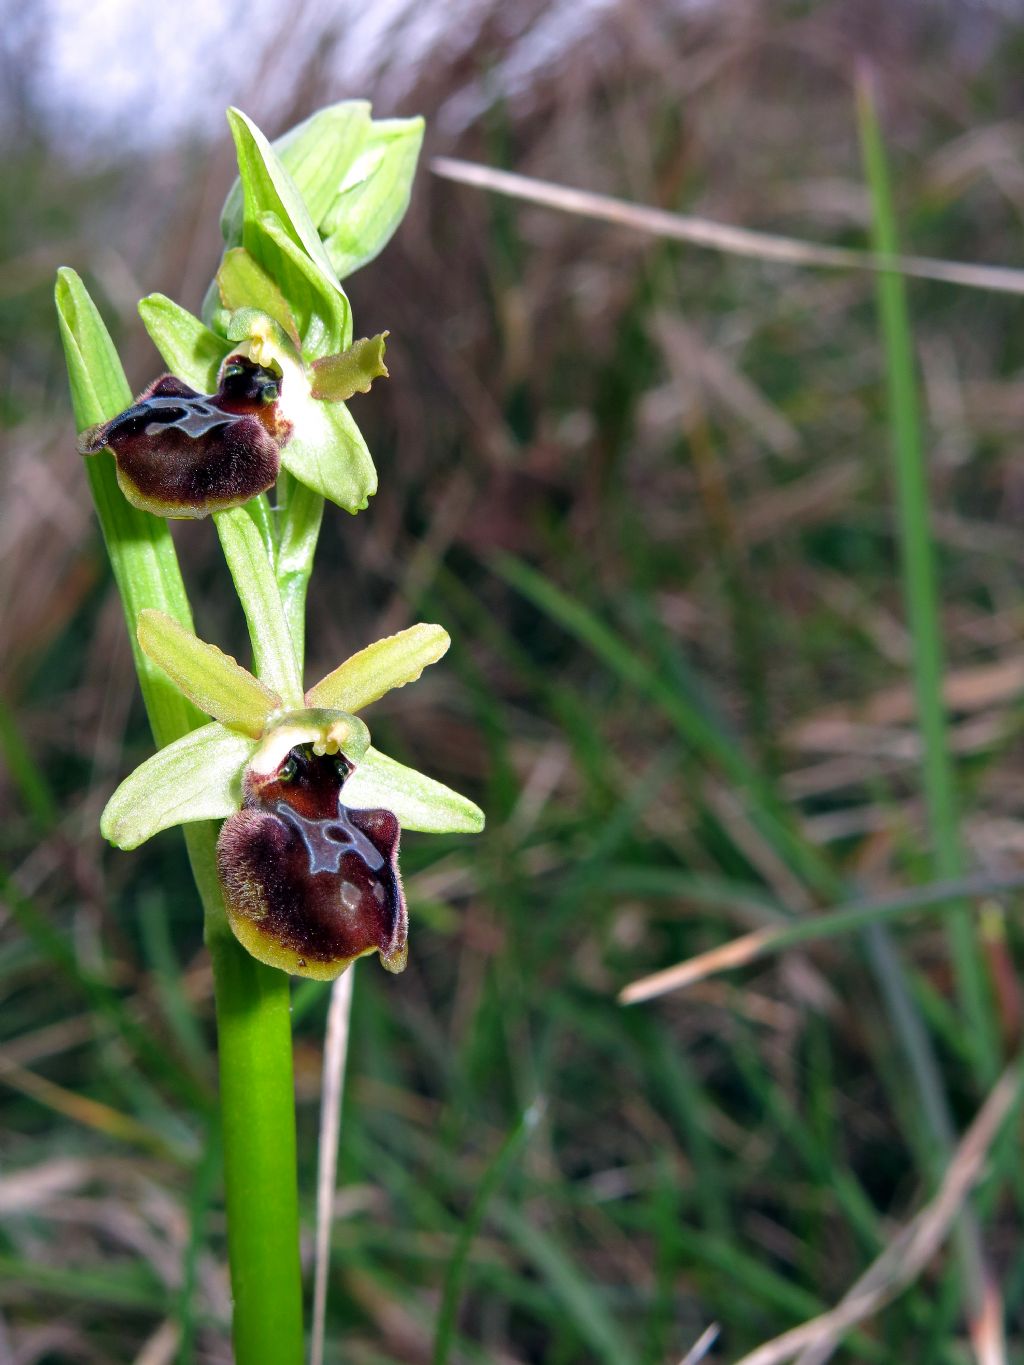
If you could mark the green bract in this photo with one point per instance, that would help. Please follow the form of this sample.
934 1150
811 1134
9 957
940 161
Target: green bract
199 777
354 174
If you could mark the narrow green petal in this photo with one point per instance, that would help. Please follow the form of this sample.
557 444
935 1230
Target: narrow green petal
329 455
335 378
386 664
190 350
213 680
418 801
197 777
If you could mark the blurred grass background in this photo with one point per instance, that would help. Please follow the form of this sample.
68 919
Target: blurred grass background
649 489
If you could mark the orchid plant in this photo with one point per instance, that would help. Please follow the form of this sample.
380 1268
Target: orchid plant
302 877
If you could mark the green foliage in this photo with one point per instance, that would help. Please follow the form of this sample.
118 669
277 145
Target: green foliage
372 198
353 173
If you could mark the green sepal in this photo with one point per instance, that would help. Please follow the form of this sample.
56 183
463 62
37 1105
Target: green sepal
316 154
140 546
268 188
243 283
373 198
380 667
190 350
329 455
318 304
198 777
418 801
335 378
212 679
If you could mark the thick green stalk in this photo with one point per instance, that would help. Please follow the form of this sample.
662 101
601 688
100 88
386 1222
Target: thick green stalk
253 1022
920 590
254 1041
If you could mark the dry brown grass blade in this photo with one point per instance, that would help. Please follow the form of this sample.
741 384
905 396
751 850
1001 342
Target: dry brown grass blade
910 1251
735 241
162 1347
335 1057
738 952
698 1351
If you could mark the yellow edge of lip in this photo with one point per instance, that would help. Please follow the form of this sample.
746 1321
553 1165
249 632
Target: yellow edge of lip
262 947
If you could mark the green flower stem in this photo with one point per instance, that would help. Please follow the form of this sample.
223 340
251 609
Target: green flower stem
252 1001
302 511
254 1039
275 658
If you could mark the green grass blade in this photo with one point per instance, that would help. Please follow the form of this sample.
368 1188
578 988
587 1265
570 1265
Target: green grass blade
694 727
493 1176
584 1303
921 592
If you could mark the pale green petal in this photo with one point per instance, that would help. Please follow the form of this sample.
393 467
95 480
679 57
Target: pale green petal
418 801
335 378
386 664
197 777
213 680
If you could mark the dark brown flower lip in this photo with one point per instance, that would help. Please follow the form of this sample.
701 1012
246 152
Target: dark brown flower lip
180 453
309 884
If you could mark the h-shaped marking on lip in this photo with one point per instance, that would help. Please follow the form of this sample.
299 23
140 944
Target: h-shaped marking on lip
198 417
328 841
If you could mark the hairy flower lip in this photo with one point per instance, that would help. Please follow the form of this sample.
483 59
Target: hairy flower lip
184 454
310 884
